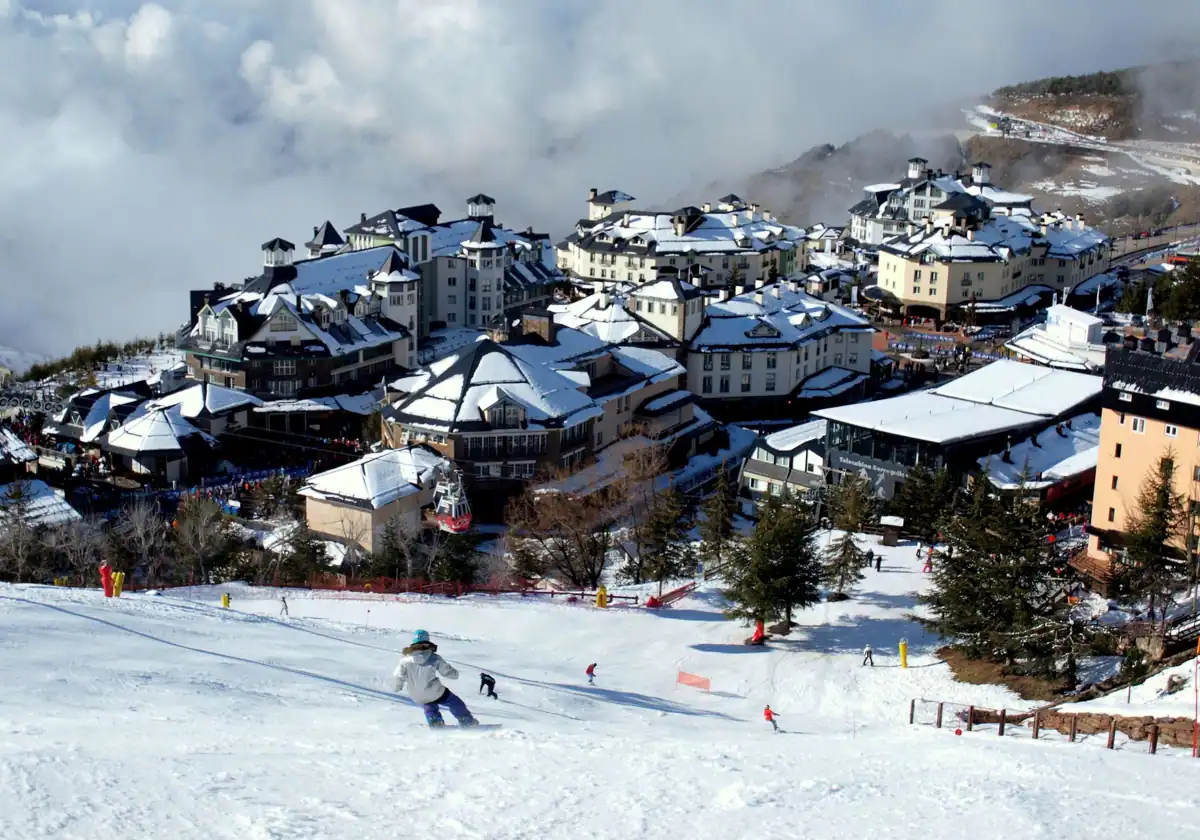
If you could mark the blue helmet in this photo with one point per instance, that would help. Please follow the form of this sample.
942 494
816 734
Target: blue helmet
420 636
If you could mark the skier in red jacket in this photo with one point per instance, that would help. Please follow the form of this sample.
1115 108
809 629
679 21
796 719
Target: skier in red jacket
591 673
770 716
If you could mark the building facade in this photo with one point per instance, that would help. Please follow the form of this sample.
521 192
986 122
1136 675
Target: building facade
1150 412
731 244
474 271
321 325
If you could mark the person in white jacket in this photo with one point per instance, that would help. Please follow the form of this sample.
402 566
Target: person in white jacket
420 671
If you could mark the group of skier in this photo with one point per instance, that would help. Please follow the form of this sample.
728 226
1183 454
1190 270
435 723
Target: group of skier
420 672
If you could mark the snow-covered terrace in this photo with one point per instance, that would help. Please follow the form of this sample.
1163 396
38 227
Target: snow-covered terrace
377 479
1060 453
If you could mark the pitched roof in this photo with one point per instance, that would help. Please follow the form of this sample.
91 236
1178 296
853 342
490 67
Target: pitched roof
278 244
40 505
481 198
783 319
206 400
13 449
453 393
612 197
156 430
326 236
377 479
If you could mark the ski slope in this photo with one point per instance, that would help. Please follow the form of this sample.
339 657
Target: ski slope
166 716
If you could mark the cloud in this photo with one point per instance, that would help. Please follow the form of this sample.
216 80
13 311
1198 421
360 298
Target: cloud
148 148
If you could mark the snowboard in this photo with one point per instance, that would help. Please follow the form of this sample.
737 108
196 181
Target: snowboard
454 727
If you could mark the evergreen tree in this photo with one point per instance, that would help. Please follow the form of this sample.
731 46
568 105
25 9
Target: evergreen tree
669 551
852 503
716 528
843 563
1151 572
1183 301
924 501
304 556
994 587
457 560
776 570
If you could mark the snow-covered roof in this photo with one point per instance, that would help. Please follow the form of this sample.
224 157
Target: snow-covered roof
1060 453
608 316
454 392
98 413
1168 394
789 440
40 505
1031 389
206 398
377 479
154 430
996 239
13 449
611 197
774 317
830 382
667 288
1035 344
1002 396
723 232
998 197
356 404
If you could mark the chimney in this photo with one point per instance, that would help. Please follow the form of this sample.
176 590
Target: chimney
1007 456
539 322
1045 229
1060 430
911 228
362 217
970 234
928 224
776 291
928 174
759 283
597 286
592 194
316 228
678 223
753 210
604 300
758 297
298 308
733 219
706 207
625 219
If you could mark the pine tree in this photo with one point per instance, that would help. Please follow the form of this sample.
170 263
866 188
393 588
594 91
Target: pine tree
776 570
457 560
1151 572
669 551
994 587
716 528
305 555
924 501
843 563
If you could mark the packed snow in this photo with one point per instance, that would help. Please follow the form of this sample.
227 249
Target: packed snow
166 716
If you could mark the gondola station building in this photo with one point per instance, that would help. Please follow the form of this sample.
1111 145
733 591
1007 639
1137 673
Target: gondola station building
990 411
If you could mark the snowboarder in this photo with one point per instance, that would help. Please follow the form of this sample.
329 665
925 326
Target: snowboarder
283 610
489 682
879 562
868 657
591 674
419 671
770 714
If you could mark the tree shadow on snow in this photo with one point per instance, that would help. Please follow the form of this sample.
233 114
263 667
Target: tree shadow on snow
882 634
707 647
688 615
353 687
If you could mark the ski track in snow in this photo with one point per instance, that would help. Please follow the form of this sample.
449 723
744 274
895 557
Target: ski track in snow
166 716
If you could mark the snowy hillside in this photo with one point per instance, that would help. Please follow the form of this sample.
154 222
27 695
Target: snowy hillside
166 716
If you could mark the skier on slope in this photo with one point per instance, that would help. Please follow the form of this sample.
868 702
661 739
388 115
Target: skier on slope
283 610
591 674
419 671
868 657
769 715
489 682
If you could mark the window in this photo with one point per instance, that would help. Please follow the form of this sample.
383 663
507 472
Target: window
1121 419
1114 482
674 309
1112 514
772 359
853 359
932 277
1139 425
285 367
452 299
451 317
453 281
724 384
916 290
662 309
747 361
917 274
770 381
1172 431
745 383
706 385
284 387
283 322
725 361
837 339
1117 451
1162 405
1126 396
1195 473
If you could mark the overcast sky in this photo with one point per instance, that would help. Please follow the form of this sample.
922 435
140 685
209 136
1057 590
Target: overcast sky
150 148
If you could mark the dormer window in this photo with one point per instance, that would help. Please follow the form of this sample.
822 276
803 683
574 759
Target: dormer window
283 322
504 416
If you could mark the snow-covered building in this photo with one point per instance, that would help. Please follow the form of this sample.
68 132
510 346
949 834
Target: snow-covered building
790 460
355 502
953 425
544 401
312 326
1050 465
158 442
773 351
16 456
91 413
1067 339
733 243
887 209
37 503
962 256
210 408
474 271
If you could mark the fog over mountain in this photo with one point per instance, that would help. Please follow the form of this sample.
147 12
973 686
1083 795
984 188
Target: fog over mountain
148 148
